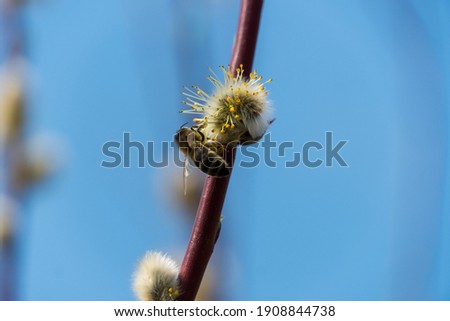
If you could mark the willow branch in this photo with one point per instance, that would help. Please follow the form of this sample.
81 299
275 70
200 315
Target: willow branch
207 221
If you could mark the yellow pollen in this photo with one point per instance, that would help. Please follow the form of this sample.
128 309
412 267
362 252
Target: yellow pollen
232 125
238 100
222 130
231 108
227 125
199 92
237 117
228 98
262 88
244 84
270 80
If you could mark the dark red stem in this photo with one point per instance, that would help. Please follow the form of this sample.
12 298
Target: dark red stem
246 35
207 221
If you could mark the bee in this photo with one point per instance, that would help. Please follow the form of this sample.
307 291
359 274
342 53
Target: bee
208 156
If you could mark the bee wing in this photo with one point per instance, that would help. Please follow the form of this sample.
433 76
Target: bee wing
186 174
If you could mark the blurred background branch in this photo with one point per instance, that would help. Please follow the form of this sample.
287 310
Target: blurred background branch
20 168
11 130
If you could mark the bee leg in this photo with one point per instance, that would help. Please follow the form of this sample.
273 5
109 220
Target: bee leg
214 165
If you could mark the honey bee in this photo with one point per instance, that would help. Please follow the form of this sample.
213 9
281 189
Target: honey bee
208 156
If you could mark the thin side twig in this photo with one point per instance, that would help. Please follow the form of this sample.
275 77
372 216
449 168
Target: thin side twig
207 221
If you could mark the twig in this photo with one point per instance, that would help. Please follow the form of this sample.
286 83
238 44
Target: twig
207 221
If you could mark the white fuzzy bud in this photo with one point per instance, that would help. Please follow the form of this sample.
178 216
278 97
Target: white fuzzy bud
156 278
238 110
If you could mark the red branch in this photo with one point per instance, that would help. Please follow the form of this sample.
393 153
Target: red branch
207 220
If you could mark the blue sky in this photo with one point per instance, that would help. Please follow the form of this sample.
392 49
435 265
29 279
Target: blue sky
374 73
